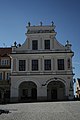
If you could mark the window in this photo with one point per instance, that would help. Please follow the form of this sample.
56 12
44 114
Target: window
47 64
22 65
34 44
8 76
60 64
47 44
0 76
34 65
68 63
5 62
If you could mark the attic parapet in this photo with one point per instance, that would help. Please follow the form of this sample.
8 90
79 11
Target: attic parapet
40 28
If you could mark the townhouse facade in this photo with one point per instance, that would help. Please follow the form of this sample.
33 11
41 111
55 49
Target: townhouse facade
5 72
41 68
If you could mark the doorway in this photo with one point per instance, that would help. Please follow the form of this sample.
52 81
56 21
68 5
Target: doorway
27 91
55 90
54 94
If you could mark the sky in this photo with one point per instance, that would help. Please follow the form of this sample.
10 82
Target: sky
15 14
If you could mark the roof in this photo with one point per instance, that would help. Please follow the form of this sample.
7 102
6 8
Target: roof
5 51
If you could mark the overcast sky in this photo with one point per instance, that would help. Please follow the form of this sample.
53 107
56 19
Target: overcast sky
15 14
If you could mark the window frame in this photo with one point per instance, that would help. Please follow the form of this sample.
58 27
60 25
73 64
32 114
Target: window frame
5 62
34 44
47 44
68 63
22 66
60 64
35 65
47 64
8 76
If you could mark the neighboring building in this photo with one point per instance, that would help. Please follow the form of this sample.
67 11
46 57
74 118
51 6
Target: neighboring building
41 67
78 88
5 71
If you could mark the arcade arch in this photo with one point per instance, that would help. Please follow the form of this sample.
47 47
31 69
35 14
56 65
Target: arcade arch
27 91
55 90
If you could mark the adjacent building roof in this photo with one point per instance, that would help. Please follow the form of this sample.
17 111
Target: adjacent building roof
5 51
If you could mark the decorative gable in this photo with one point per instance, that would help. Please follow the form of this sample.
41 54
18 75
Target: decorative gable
40 34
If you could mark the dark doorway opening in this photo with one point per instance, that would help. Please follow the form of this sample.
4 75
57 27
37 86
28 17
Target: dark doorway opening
54 94
34 93
27 91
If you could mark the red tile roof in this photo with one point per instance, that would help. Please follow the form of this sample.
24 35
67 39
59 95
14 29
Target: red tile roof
5 51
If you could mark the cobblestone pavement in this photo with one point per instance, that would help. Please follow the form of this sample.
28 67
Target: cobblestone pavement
42 111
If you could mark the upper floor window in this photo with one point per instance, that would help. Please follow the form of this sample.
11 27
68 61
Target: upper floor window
34 65
22 65
60 64
5 62
47 64
47 44
34 44
0 76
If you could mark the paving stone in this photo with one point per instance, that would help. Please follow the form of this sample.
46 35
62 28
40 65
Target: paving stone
42 111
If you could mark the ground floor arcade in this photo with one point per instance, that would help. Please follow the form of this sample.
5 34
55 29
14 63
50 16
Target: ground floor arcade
35 89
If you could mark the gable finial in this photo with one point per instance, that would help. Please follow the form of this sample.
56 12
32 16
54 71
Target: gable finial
41 23
67 41
15 43
52 23
29 24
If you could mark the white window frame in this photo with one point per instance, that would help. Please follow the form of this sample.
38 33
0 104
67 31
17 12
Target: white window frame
5 62
19 66
50 65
